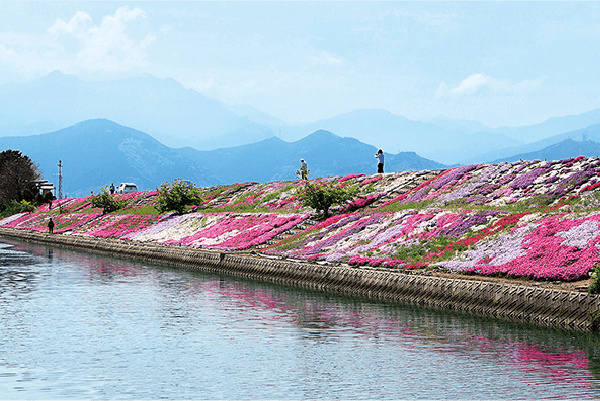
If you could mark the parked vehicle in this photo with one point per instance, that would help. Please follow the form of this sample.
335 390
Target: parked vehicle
126 187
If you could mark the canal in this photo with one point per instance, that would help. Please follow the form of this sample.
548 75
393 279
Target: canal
77 325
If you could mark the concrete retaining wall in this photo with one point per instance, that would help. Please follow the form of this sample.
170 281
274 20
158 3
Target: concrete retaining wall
551 308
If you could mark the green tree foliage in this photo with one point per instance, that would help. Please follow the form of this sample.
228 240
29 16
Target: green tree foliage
322 196
106 201
14 207
18 174
177 196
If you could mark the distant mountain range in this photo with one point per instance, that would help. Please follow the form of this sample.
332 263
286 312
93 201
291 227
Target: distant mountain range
325 153
393 134
179 117
161 107
559 151
546 147
95 153
98 152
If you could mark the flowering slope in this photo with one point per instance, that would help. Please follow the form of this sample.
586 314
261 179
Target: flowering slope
526 219
217 230
533 219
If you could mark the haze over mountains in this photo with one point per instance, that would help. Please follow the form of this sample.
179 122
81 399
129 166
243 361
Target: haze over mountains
325 153
93 127
180 117
161 107
98 152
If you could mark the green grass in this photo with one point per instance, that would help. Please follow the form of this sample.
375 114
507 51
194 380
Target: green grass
417 252
142 210
396 207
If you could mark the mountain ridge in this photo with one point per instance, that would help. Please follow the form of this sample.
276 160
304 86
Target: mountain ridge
180 117
326 154
98 152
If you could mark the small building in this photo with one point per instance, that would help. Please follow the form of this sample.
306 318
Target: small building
45 187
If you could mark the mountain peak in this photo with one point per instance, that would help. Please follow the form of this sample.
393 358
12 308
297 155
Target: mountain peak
321 134
57 77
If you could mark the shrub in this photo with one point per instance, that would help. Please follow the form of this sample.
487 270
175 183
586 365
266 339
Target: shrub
14 207
322 196
106 201
177 196
594 288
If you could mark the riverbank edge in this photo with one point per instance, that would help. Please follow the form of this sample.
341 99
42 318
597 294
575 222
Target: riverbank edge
552 308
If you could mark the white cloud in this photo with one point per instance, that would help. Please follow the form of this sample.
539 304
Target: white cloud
76 26
477 82
107 46
80 46
6 55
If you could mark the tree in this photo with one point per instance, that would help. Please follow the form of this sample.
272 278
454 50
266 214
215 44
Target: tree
106 201
18 174
322 196
177 196
14 207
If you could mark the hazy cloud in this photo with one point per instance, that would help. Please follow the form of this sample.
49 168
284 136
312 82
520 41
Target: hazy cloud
107 46
79 45
426 17
76 26
477 82
324 58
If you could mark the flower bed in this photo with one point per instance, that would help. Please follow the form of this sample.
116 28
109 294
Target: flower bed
533 219
537 183
552 247
380 236
218 230
115 226
62 222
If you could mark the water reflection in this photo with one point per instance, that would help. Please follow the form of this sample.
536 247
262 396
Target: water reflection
17 273
558 353
206 336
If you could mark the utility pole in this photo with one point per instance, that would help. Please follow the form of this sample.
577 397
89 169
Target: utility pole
60 179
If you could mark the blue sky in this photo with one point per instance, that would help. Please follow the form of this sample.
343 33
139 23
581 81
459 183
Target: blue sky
499 63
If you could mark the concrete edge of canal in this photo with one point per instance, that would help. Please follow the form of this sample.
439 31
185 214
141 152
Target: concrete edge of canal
512 302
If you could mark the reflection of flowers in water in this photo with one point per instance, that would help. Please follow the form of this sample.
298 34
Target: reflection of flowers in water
326 319
558 363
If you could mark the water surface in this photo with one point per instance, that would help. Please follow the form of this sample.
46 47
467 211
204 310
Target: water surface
77 325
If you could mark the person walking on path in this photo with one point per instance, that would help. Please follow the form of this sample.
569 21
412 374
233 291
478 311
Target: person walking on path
380 160
51 226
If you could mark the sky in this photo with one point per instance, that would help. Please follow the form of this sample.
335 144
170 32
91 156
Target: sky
498 63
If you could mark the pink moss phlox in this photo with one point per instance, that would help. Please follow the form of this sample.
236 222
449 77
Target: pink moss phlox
546 254
350 177
63 222
371 180
418 188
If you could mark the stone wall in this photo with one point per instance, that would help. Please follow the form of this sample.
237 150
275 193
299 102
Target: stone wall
513 302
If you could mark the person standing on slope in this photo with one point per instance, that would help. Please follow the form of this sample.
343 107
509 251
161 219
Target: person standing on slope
303 172
380 161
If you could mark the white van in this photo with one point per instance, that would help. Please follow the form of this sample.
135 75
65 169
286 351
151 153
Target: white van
126 187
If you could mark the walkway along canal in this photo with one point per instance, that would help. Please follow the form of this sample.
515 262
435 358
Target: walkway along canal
569 310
